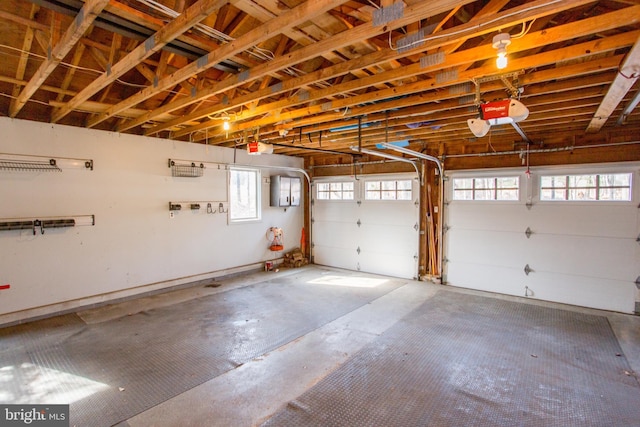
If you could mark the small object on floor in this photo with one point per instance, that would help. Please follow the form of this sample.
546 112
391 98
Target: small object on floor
121 388
213 285
294 259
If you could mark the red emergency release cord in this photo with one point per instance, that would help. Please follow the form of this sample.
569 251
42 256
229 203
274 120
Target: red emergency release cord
2 287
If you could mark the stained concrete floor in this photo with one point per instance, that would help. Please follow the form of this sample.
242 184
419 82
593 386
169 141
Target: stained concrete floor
251 393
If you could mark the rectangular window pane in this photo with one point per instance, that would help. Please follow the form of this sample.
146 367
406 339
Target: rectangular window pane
404 194
388 185
373 185
582 194
388 195
404 185
388 190
507 195
494 188
323 186
511 182
584 181
485 182
373 195
483 195
335 191
463 183
462 195
243 195
587 187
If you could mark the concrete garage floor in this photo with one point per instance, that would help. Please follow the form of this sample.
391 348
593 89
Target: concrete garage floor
254 349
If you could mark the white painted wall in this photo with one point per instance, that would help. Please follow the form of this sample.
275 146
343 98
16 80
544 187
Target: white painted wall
581 253
134 246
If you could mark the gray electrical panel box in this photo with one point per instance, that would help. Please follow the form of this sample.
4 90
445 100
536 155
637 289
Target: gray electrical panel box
285 191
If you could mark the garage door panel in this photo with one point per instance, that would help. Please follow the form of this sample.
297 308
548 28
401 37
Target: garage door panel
325 233
488 247
396 265
488 216
607 220
396 213
490 278
604 294
335 257
605 258
389 237
334 210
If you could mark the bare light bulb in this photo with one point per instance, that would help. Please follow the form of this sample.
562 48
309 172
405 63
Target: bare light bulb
501 61
225 125
500 42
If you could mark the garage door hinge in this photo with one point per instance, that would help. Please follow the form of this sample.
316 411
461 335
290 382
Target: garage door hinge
445 260
313 202
358 250
527 269
528 232
359 223
445 228
528 205
416 226
638 282
359 202
638 238
312 220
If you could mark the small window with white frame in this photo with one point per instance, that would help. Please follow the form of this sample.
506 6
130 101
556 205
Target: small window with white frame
335 190
244 195
396 189
491 189
586 187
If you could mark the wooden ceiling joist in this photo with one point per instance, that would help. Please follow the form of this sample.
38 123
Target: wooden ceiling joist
84 19
288 19
624 81
169 32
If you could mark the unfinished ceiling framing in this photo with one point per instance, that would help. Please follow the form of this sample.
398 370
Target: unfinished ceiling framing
316 78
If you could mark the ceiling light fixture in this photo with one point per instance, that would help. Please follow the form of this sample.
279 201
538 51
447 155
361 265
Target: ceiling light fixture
500 42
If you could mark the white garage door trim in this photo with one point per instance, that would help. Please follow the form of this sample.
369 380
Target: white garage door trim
580 253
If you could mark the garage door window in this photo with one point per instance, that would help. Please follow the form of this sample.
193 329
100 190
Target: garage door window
495 188
592 187
388 190
335 191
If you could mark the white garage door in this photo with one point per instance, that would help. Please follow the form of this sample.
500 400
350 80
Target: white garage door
562 237
369 224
